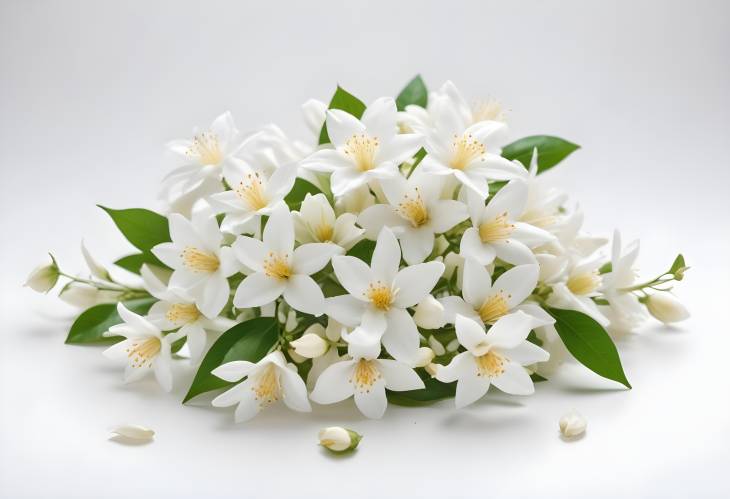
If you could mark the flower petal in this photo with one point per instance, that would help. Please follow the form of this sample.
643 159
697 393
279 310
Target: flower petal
304 295
415 282
386 257
460 366
353 274
510 330
477 283
401 336
514 252
345 309
313 257
526 353
215 295
279 231
341 126
334 384
377 216
514 380
398 376
250 252
471 246
417 244
380 118
373 402
258 289
471 334
446 213
470 387
517 283
295 391
233 371
511 199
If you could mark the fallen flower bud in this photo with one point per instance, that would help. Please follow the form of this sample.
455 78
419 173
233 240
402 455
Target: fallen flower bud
134 432
338 439
572 424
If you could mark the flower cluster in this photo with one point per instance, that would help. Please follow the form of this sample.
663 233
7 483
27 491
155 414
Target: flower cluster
405 252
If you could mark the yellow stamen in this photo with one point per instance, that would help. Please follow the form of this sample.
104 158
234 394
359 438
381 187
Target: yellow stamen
584 283
380 295
365 375
199 261
182 313
324 231
266 387
494 307
251 191
277 266
414 209
143 351
497 229
206 148
466 150
490 364
361 149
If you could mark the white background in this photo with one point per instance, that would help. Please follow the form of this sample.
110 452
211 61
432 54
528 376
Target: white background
89 93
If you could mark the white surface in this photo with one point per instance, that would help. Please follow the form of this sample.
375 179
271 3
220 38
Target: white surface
90 91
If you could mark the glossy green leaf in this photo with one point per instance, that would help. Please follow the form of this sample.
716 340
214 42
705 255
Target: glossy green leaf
415 93
134 262
434 391
250 340
143 228
345 101
90 326
299 192
363 250
550 151
589 343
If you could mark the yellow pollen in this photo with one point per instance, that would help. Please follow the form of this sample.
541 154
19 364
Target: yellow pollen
494 307
365 375
182 313
584 283
252 192
414 209
490 364
266 387
380 295
487 110
199 261
466 150
143 351
497 229
277 266
205 146
361 149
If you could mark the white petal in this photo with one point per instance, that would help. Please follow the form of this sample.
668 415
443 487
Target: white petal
215 295
526 353
510 199
303 294
517 283
510 330
258 289
169 254
279 231
514 252
373 402
313 257
445 214
386 257
334 384
183 233
375 217
530 235
196 341
380 118
454 305
345 309
459 367
477 283
353 274
471 245
250 252
514 380
233 395
400 148
471 335
398 376
163 372
233 371
134 432
295 391
415 282
136 321
470 388
341 126
401 336
417 244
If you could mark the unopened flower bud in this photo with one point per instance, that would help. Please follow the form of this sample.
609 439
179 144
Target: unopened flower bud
451 263
43 278
333 332
429 313
432 369
291 321
338 439
133 432
436 345
572 424
666 308
83 296
310 346
453 345
298 359
424 357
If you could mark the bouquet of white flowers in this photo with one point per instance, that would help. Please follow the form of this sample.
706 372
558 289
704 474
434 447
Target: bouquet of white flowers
403 254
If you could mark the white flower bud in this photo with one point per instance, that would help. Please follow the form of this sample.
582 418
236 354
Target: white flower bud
310 346
295 356
453 345
333 332
572 424
338 439
133 432
315 328
83 296
424 357
436 345
440 245
451 263
429 313
291 321
43 278
666 308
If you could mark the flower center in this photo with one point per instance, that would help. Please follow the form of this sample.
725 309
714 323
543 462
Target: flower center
487 110
252 192
206 148
494 307
496 229
538 219
143 351
490 364
182 313
266 387
277 266
365 375
380 295
199 261
414 209
323 232
584 283
466 150
361 149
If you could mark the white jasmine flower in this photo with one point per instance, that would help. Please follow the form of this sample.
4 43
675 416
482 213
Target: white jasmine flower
365 149
496 231
415 213
365 377
201 267
310 345
572 424
338 439
429 313
267 381
279 269
144 350
133 432
622 276
486 302
542 208
380 294
494 358
175 311
666 308
254 193
44 277
577 287
315 222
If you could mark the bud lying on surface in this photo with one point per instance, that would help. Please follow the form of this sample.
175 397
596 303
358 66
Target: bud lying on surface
44 277
310 345
133 432
338 439
572 424
666 308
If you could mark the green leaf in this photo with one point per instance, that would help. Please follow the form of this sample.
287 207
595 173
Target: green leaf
415 93
363 250
605 268
536 378
434 391
134 262
90 326
250 340
299 192
678 268
589 343
345 101
550 151
143 228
